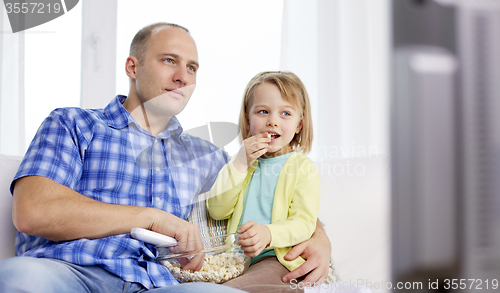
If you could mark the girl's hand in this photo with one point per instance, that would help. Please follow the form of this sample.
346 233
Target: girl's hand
252 148
253 238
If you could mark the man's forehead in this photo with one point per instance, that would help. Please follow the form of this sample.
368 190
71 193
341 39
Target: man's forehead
173 36
160 28
170 32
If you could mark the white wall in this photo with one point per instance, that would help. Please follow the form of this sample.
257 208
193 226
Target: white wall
52 69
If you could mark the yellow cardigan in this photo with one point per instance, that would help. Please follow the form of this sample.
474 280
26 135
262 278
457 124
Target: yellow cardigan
295 204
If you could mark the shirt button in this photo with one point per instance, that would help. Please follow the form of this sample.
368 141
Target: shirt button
158 169
158 199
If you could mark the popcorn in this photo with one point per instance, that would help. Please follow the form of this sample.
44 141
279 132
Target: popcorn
217 268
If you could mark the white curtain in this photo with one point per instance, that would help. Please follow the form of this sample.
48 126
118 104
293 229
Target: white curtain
12 141
340 50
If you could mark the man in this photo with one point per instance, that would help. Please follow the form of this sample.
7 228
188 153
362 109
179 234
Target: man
89 176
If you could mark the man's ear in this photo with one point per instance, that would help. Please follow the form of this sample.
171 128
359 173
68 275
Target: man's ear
131 67
299 127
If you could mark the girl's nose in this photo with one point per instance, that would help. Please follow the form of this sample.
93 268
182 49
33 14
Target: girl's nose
272 122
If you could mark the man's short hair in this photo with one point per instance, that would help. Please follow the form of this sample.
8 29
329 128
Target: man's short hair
139 44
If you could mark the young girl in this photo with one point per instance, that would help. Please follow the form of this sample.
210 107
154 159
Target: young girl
270 190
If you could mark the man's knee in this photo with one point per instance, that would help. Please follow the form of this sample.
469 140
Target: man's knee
23 266
22 274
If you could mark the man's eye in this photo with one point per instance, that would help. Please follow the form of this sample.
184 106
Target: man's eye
192 68
169 60
262 112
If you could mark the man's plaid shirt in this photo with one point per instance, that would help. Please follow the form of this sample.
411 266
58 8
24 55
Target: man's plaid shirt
105 155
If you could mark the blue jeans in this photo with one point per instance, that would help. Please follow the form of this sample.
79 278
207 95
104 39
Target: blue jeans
28 274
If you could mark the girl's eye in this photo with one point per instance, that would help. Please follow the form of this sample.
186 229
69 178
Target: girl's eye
262 112
286 113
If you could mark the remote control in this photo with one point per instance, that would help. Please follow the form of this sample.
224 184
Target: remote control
151 237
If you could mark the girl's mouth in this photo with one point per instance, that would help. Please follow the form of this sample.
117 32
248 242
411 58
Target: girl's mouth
274 135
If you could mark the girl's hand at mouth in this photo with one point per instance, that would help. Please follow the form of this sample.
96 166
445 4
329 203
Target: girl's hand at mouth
252 148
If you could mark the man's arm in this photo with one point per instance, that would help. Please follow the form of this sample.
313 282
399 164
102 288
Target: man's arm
316 251
42 207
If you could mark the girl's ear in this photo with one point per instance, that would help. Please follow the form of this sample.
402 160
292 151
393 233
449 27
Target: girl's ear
299 127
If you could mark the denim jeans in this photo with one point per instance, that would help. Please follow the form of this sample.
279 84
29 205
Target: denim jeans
28 274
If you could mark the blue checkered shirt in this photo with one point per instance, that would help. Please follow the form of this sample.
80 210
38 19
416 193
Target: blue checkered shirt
105 155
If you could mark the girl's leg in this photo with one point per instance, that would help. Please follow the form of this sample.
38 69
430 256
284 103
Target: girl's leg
264 276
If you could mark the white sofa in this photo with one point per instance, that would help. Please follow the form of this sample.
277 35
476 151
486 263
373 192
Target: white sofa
354 208
8 168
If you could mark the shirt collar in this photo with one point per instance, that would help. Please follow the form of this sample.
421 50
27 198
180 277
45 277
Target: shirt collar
119 117
173 128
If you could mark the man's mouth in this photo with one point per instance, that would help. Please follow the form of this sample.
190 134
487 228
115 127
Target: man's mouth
176 92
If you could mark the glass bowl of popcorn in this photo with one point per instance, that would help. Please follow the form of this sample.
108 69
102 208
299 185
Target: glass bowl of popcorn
220 258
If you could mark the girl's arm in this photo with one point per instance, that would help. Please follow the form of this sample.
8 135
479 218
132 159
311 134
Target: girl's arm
224 193
226 189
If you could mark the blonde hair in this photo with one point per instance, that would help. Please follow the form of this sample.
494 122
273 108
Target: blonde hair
294 92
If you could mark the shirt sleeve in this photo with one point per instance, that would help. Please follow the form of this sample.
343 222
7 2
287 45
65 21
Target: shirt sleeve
224 193
302 211
54 151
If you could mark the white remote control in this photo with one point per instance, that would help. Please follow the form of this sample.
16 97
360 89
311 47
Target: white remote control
151 237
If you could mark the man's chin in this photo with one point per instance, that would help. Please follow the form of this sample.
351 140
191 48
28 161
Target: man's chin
163 111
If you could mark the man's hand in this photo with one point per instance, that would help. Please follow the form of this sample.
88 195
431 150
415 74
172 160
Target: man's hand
253 238
316 251
187 236
252 148
172 226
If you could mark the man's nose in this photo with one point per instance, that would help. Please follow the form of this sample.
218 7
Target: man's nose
180 76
